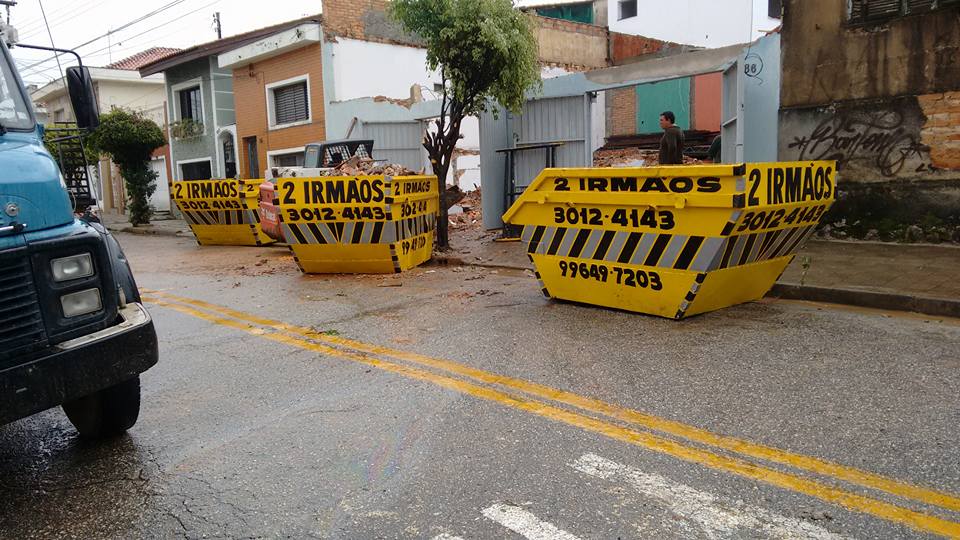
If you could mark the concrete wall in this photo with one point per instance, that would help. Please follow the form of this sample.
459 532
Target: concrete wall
884 101
706 23
576 45
572 46
249 87
825 59
203 146
365 69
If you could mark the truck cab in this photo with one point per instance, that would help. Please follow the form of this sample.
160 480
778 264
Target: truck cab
73 332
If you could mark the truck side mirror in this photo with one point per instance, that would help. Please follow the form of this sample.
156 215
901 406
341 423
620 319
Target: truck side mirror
83 98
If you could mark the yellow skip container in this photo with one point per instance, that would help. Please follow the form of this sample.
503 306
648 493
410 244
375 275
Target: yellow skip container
672 241
359 224
221 212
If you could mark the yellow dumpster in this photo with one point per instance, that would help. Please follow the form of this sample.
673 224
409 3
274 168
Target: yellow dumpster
671 241
221 212
359 224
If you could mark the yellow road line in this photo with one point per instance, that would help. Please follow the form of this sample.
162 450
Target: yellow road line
918 520
691 433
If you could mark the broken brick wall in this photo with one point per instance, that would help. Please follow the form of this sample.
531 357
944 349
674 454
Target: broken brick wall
883 99
570 45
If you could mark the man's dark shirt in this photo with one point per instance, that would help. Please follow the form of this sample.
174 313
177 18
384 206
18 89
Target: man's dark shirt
671 146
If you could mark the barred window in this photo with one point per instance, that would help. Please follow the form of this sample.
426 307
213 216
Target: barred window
868 11
290 103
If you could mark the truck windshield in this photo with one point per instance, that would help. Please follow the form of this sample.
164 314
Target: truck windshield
14 112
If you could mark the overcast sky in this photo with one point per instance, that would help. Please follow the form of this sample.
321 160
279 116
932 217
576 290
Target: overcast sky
187 23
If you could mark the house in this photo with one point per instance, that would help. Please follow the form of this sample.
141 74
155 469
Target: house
202 117
876 86
705 23
278 80
118 85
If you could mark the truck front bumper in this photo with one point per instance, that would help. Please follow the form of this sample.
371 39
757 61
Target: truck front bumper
81 366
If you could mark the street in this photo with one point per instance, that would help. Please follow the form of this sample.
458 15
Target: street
458 402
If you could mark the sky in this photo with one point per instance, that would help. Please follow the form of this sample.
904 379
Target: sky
182 24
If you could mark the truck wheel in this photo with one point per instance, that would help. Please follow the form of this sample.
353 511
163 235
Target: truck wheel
110 411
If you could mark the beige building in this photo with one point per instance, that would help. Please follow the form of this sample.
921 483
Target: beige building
118 85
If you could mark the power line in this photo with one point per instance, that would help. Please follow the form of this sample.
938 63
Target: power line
177 19
115 30
49 33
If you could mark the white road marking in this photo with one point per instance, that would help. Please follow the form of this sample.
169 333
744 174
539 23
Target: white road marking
716 517
445 536
525 524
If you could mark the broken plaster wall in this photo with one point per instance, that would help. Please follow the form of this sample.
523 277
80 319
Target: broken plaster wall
881 99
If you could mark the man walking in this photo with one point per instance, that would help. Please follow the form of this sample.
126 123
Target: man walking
671 145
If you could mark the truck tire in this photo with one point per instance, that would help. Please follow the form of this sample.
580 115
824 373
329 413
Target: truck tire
110 411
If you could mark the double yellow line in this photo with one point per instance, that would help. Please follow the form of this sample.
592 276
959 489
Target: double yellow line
535 398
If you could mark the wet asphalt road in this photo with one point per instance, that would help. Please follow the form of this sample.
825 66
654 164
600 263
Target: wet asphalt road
242 435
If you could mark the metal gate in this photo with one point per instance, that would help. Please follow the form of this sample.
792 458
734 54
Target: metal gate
397 142
562 119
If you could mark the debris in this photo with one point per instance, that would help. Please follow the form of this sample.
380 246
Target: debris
357 166
471 216
391 284
632 157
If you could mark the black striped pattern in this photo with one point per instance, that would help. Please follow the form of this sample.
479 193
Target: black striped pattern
221 217
678 252
358 232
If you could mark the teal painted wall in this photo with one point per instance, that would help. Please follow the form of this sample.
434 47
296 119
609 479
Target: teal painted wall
581 13
654 98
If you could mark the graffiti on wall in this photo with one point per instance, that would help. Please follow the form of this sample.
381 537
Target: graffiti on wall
881 139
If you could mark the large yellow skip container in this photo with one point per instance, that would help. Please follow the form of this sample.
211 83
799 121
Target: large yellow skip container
221 212
671 241
359 224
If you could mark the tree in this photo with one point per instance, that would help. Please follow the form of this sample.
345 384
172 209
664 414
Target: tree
483 49
129 139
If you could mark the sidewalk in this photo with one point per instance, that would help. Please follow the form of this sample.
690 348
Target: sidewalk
161 225
904 277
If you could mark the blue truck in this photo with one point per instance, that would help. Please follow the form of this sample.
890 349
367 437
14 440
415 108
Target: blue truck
73 330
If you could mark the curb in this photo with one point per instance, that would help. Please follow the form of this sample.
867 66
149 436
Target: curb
144 232
939 307
450 260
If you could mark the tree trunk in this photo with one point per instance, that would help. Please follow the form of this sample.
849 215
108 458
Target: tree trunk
443 220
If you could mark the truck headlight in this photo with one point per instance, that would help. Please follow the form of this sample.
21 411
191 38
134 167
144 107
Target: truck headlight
73 267
81 303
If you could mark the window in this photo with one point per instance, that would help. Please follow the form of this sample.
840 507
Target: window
292 159
627 8
197 170
60 115
191 104
872 11
289 102
775 9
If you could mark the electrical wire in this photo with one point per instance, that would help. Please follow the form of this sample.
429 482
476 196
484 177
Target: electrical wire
176 19
115 30
49 33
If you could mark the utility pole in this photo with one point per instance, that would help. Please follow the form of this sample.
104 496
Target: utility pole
216 24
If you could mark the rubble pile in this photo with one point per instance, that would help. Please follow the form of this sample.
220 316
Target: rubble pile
632 157
358 166
471 216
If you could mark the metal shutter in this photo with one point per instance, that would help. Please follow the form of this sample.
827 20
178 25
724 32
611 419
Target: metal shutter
920 6
291 103
874 10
